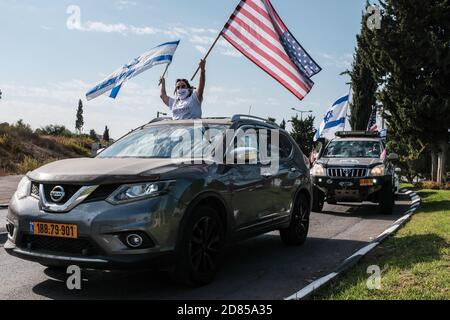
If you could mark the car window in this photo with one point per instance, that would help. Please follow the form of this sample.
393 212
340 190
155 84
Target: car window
167 142
354 149
285 147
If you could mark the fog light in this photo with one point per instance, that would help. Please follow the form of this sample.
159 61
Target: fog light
320 180
375 181
134 240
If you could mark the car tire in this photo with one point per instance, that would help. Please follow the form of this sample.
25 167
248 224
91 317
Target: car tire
387 199
55 266
318 200
200 249
297 233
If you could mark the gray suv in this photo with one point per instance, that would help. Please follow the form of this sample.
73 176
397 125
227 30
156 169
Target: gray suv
156 199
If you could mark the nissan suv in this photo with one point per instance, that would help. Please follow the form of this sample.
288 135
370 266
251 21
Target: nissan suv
170 194
355 167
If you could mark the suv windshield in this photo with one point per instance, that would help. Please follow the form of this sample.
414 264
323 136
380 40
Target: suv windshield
168 141
353 149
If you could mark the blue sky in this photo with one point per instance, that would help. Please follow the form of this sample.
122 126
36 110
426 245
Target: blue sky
45 67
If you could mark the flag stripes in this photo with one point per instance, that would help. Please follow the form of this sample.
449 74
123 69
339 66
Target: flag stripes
258 33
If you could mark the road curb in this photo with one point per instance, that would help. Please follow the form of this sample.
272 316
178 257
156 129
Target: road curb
309 290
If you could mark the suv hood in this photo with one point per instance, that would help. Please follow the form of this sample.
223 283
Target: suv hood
352 162
87 171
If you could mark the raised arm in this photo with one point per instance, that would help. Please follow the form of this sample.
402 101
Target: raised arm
201 85
164 96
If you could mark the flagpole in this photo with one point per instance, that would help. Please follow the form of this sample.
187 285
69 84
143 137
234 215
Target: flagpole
207 54
165 71
348 107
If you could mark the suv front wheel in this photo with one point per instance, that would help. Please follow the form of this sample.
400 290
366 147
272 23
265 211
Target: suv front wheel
318 200
297 233
200 248
387 199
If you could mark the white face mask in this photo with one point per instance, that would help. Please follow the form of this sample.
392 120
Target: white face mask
182 94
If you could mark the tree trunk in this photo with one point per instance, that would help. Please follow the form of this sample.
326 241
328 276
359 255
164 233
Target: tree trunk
442 162
434 164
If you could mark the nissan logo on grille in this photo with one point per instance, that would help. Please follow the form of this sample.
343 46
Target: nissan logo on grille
57 194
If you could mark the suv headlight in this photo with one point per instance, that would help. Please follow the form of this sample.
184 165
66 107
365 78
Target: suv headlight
318 170
24 188
140 191
378 171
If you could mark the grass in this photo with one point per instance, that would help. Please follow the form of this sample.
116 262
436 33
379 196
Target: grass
416 260
22 150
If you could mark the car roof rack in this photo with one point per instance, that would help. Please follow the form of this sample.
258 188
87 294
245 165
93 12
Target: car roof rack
239 117
357 134
159 120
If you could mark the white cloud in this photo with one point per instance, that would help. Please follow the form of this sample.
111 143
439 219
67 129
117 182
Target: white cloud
201 38
338 61
124 4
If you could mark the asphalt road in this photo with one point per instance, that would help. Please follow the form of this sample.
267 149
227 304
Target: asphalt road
261 268
8 186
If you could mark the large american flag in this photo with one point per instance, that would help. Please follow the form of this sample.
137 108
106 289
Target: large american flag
257 31
373 123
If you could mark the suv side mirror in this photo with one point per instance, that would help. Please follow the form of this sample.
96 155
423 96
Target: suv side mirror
393 157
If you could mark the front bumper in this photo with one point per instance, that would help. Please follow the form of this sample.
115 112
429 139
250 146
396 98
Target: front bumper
350 189
100 229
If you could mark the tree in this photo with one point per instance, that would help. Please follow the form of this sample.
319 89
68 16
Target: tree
410 57
93 135
303 132
363 83
79 124
106 135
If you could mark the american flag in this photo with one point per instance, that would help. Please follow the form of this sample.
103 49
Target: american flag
373 124
257 31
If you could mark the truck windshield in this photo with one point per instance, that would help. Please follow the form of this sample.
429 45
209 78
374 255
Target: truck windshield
353 149
168 142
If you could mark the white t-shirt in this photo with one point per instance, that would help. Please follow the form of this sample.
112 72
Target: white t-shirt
190 108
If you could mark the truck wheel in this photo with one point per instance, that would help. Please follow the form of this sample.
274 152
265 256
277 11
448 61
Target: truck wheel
386 199
297 233
318 200
200 248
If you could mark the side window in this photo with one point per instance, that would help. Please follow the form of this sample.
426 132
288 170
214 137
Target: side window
286 147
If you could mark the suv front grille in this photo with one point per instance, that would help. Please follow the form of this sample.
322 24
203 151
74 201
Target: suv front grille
80 247
69 190
347 172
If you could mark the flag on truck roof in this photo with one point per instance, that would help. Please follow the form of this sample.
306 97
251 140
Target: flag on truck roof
373 121
334 119
257 31
162 54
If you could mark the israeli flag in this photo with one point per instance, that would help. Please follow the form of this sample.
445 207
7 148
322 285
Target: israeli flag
162 54
334 120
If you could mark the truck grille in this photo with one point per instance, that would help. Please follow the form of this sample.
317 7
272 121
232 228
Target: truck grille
347 172
80 247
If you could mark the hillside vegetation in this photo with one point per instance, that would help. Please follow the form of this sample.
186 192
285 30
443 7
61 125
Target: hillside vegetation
22 149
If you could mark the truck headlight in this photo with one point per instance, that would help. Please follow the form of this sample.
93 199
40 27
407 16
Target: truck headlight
318 170
140 191
378 171
24 188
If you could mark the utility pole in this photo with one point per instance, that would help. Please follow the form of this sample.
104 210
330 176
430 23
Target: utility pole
302 112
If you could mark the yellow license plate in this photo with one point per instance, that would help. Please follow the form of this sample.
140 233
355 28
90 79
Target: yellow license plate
366 183
55 230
